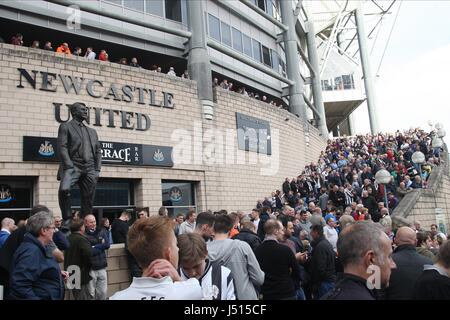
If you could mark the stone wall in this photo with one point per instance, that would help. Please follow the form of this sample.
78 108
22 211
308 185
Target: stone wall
118 273
431 205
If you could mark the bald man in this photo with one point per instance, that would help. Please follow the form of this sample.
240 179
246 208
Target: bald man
409 265
8 226
99 240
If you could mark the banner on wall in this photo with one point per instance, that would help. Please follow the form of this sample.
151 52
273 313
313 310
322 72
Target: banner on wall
42 149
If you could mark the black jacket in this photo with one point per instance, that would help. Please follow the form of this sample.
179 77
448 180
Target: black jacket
321 265
280 268
409 268
371 204
350 287
262 220
294 187
286 187
70 142
99 241
119 231
279 205
432 286
79 254
250 237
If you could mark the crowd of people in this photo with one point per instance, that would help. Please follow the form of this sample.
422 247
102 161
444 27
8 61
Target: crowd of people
328 236
229 86
343 180
90 54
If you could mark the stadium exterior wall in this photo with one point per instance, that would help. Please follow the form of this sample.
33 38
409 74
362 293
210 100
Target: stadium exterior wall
31 112
430 205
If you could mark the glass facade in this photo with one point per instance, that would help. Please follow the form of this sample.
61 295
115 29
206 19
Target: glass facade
109 193
155 7
170 9
266 56
226 33
232 37
137 5
344 82
247 41
173 10
214 27
237 40
256 50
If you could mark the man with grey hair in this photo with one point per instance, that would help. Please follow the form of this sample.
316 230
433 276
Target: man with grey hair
365 253
8 226
409 265
345 221
317 219
35 274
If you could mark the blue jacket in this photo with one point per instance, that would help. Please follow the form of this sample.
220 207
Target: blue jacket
60 240
99 241
3 236
35 274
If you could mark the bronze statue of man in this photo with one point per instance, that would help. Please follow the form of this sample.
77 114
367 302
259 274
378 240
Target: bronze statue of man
80 154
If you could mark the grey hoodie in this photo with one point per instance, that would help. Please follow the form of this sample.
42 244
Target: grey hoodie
240 259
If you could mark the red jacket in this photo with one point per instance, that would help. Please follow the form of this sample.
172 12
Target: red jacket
103 56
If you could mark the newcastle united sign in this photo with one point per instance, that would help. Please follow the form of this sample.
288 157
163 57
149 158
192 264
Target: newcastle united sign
104 92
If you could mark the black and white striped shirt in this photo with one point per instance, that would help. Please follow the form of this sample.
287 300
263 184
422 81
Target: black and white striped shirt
217 282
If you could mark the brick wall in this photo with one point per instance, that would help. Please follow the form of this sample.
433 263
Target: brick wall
425 208
118 272
431 205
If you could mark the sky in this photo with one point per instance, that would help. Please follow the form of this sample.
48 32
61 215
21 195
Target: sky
413 83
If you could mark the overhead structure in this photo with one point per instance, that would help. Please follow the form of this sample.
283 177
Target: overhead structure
345 49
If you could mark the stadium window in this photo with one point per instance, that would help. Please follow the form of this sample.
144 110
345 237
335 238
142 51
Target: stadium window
247 45
262 4
155 7
283 67
270 8
118 2
338 84
276 9
275 60
348 81
173 10
266 56
326 85
237 40
256 50
214 27
134 4
226 33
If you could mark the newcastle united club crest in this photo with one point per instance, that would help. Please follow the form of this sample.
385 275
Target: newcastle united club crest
46 149
5 193
158 156
175 194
